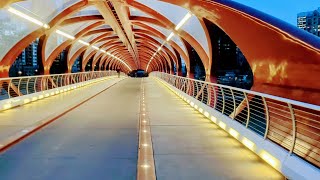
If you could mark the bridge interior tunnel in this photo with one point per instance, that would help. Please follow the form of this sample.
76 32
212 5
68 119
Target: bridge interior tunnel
196 39
142 35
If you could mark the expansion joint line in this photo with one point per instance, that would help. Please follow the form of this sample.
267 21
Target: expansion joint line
145 166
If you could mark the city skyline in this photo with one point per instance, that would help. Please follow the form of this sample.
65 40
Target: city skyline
285 10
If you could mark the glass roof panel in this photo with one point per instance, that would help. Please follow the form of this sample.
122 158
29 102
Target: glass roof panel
164 31
172 12
44 10
88 51
97 54
75 28
74 48
100 44
12 30
104 57
157 39
102 27
166 44
91 10
179 42
136 27
88 39
54 41
136 12
194 28
169 47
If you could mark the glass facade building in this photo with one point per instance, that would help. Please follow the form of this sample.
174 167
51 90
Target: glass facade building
310 21
26 63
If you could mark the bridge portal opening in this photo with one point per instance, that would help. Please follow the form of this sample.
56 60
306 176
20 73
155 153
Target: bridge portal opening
138 73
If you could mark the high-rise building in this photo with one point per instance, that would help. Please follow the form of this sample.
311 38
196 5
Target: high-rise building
26 63
31 59
310 21
76 67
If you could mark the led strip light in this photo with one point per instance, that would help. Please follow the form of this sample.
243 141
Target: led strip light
180 24
29 18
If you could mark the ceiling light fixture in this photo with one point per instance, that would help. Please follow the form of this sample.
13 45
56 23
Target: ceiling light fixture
95 47
183 21
65 34
180 24
29 18
84 43
170 36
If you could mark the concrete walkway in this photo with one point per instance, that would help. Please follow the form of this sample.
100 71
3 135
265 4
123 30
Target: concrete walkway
188 146
15 122
97 140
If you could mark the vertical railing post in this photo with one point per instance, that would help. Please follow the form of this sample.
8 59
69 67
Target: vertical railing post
208 95
234 104
248 109
193 88
27 86
35 85
267 117
223 100
19 85
203 90
215 96
294 128
41 82
62 81
188 87
47 82
57 81
8 89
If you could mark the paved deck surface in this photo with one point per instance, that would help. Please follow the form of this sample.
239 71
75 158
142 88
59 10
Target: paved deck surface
13 121
98 140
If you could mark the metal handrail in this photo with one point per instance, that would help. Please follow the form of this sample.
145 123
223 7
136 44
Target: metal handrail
293 102
66 74
25 85
293 125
